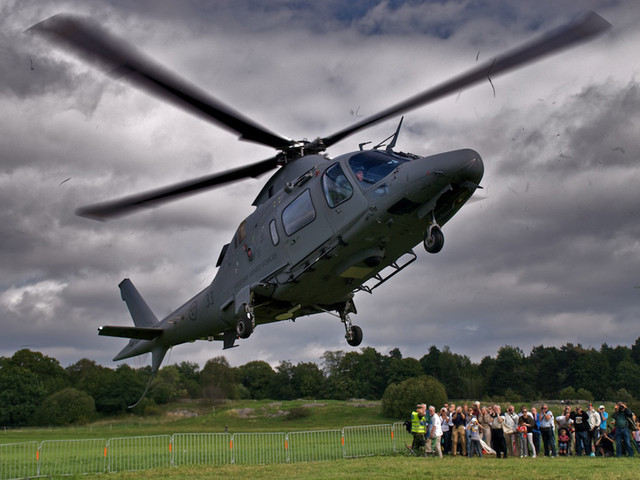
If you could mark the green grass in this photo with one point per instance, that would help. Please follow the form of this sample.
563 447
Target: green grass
370 468
269 417
263 416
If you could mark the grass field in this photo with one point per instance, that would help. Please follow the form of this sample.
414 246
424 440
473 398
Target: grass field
305 415
371 468
235 416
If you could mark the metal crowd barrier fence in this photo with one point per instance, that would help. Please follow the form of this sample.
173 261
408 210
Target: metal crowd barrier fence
51 458
19 460
71 457
201 449
128 454
314 446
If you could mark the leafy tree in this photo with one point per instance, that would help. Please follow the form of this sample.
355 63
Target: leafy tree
307 380
549 371
67 406
485 370
403 368
367 370
47 369
511 372
568 393
338 385
331 362
590 372
86 375
431 361
400 399
395 354
189 373
21 392
614 356
283 388
627 376
122 388
258 378
635 351
584 394
166 386
449 368
218 379
622 395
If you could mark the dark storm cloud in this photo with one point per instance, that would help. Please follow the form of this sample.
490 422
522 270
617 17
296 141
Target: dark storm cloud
550 255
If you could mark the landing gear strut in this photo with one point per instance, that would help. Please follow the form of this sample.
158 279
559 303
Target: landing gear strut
354 332
246 324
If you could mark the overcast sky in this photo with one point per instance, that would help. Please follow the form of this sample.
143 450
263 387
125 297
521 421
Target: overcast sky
550 255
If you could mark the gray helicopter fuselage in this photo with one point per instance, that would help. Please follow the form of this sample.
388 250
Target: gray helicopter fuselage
311 244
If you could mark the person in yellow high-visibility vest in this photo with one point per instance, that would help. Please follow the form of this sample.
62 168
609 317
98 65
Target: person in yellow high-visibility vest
418 427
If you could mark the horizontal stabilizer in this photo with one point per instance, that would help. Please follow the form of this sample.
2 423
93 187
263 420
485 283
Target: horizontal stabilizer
140 333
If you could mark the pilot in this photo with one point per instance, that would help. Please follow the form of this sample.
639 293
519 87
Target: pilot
360 175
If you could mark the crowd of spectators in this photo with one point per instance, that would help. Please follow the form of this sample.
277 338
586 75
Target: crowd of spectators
463 430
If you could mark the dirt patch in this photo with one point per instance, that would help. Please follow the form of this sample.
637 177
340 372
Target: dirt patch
366 404
182 413
242 412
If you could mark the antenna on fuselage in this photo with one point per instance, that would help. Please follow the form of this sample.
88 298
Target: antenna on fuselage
395 136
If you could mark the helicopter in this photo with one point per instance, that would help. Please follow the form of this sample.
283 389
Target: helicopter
323 228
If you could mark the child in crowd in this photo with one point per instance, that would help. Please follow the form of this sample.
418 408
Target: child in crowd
563 442
474 437
522 436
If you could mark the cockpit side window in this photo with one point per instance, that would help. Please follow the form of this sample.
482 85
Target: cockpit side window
371 167
335 185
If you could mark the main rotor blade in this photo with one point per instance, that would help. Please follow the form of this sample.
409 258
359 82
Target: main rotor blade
127 205
120 59
586 27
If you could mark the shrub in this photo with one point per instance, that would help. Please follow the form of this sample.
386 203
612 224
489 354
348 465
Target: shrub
66 407
297 413
400 399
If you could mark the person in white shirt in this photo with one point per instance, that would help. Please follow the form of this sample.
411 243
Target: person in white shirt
435 430
510 428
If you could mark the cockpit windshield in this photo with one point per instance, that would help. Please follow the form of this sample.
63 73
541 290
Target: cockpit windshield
371 166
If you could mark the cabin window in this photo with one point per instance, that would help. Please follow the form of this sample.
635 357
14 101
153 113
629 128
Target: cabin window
274 232
298 213
337 188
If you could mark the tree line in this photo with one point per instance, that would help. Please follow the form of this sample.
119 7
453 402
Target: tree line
36 390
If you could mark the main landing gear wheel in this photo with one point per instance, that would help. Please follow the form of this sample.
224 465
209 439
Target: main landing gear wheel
354 336
245 325
434 240
244 328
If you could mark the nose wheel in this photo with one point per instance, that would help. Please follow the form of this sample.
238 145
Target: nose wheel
354 336
434 239
354 332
